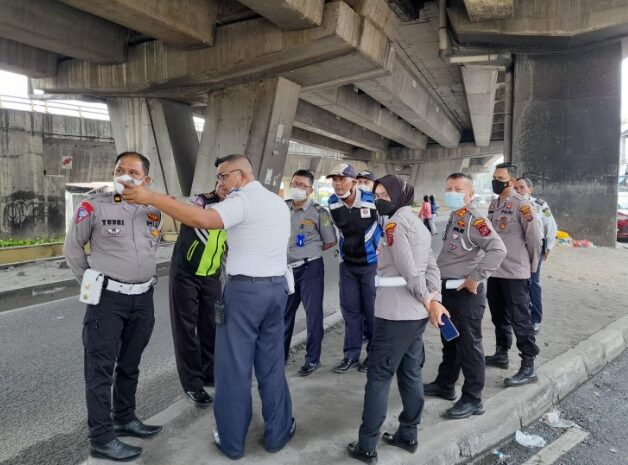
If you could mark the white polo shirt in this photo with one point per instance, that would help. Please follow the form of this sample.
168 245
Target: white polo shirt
258 230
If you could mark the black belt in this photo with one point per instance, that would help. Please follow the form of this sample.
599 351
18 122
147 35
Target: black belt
259 279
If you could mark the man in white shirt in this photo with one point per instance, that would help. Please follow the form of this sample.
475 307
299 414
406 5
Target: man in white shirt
250 327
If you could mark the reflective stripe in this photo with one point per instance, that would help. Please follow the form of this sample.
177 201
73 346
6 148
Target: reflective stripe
371 231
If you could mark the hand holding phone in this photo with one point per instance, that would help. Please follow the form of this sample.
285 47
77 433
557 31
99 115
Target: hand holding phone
448 330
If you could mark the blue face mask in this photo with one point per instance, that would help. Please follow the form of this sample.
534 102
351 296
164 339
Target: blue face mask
454 200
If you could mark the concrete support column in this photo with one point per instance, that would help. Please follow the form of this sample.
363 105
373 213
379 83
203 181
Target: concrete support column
566 131
432 176
164 132
255 119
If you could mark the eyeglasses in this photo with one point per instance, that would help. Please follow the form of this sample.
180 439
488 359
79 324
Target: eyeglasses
223 176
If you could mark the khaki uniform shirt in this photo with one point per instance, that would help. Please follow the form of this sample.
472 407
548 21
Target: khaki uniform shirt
406 251
123 239
471 246
314 222
514 221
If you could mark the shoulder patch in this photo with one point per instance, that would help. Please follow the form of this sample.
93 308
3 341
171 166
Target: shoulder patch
462 212
389 229
482 227
84 211
527 213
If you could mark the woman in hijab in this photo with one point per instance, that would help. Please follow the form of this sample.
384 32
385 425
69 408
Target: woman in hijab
409 284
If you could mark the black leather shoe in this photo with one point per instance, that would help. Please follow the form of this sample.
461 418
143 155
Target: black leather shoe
499 360
433 389
525 375
136 429
366 456
364 367
200 398
308 368
345 365
293 428
115 450
395 440
463 409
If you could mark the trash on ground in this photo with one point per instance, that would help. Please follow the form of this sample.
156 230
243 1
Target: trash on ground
613 450
501 457
583 243
562 235
554 420
529 440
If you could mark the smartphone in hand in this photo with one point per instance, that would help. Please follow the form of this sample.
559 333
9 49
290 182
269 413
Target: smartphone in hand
448 330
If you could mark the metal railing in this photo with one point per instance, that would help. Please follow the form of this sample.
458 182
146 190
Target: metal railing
58 107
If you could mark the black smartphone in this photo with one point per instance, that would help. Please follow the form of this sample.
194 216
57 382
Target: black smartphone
448 330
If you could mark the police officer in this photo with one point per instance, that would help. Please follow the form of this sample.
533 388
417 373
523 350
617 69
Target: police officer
366 180
250 327
311 233
508 296
354 214
547 224
409 285
123 240
194 288
471 251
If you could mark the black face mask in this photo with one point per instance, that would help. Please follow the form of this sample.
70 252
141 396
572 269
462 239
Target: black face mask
384 207
499 186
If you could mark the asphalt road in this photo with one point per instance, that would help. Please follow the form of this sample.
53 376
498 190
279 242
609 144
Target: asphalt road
42 402
599 407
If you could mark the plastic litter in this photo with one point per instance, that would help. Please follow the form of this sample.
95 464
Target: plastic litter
562 235
529 440
583 243
554 420
501 457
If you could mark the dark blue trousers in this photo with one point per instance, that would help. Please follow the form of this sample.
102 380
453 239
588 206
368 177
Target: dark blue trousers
309 283
357 303
536 303
251 337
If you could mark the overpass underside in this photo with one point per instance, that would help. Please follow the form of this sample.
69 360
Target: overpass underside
414 88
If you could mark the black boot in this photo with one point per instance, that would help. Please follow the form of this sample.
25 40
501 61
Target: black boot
525 375
499 360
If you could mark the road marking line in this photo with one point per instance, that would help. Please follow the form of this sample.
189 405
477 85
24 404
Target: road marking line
558 448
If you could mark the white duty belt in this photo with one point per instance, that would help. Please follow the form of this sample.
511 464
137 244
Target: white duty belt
129 289
390 281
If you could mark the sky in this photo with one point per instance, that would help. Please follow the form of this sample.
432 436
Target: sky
16 85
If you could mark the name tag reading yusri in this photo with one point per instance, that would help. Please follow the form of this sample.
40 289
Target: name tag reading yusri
365 212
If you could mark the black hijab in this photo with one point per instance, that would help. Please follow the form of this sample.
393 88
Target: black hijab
401 193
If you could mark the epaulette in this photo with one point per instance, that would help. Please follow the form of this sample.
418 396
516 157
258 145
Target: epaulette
540 201
319 207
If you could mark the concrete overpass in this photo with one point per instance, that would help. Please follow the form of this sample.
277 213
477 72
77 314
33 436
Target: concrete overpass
419 88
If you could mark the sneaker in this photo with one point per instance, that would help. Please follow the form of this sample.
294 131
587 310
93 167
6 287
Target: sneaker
308 368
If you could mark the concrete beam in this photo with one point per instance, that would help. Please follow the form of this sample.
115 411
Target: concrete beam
379 13
542 25
318 140
24 59
363 110
344 48
484 10
315 119
289 14
255 119
436 152
180 23
61 29
403 93
480 85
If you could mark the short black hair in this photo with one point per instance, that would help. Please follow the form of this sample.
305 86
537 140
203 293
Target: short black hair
306 174
458 175
231 157
528 181
426 198
432 199
512 169
145 161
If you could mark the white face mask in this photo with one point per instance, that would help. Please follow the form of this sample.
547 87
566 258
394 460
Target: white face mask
298 194
126 178
344 196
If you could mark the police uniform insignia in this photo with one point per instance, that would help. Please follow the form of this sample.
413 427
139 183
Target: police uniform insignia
390 233
547 212
154 232
307 223
461 223
113 231
527 213
482 227
462 212
365 212
83 211
509 206
152 217
198 201
117 198
453 247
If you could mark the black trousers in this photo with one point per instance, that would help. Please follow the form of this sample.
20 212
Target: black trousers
115 333
465 352
509 302
396 347
192 301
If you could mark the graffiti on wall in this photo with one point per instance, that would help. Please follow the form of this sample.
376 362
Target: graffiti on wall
25 215
21 213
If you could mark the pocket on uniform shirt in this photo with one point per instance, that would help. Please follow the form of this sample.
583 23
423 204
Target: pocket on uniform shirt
116 237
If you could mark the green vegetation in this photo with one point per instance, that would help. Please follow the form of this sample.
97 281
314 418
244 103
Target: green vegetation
22 242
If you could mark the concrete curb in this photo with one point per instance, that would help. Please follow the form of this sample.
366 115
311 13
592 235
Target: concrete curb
450 442
32 295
